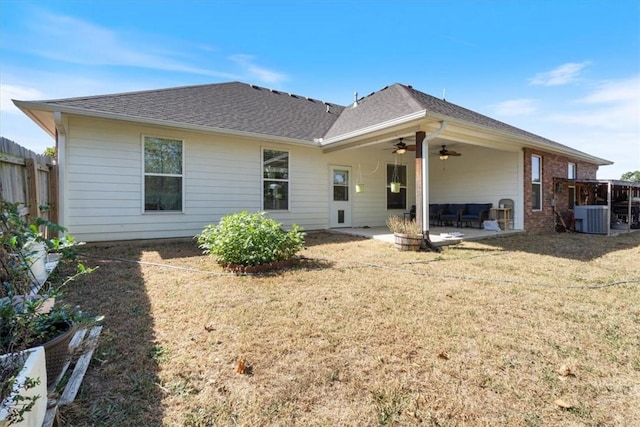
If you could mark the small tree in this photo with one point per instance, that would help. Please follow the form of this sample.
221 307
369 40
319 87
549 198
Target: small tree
50 151
250 239
631 176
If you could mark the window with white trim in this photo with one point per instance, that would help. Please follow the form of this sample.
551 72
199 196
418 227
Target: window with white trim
571 171
536 183
397 200
163 172
275 180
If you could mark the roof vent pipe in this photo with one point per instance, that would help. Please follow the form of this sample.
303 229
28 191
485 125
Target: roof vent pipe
355 100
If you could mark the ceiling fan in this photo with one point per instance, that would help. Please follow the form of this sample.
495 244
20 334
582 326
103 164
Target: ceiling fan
444 153
401 147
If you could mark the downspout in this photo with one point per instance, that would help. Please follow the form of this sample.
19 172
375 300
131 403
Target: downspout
425 176
629 217
61 135
609 211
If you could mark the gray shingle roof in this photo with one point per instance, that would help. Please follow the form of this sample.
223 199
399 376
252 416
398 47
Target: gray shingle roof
248 108
233 106
400 100
431 103
387 104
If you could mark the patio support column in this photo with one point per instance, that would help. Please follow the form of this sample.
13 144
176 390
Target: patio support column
419 187
422 190
609 211
629 217
422 183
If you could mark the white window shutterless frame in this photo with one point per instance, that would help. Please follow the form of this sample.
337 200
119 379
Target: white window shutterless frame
536 183
163 169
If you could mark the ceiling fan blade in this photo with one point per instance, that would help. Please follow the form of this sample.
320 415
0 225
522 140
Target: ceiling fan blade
411 148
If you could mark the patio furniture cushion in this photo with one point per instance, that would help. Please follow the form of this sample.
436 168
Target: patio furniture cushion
475 212
452 213
435 209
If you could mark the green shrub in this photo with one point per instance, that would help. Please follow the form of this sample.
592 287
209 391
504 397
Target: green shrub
250 239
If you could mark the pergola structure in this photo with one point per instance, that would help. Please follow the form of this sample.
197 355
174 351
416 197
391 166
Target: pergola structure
620 198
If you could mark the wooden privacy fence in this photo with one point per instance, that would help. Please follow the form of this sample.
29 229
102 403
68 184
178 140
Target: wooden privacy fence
29 179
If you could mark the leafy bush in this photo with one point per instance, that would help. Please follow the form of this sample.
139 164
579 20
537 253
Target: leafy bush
18 238
250 239
26 320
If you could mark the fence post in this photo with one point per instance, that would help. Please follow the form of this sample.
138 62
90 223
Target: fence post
53 194
32 187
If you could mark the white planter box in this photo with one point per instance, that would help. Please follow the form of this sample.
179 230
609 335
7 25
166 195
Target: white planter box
34 367
36 257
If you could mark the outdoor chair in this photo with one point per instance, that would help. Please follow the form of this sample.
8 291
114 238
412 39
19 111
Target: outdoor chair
451 214
411 215
475 212
434 212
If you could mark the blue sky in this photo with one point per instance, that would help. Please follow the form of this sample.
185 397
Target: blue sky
566 70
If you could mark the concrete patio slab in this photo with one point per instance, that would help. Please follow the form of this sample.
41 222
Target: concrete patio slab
439 236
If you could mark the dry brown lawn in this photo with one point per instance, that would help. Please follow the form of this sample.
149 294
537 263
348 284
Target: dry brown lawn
519 331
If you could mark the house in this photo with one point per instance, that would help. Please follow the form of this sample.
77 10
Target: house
164 163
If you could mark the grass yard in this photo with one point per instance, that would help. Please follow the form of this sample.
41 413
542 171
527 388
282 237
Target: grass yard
519 331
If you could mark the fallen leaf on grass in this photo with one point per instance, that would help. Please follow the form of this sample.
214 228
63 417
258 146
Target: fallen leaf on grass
565 371
564 405
243 368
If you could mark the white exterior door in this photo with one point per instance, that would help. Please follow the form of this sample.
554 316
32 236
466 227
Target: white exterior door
340 196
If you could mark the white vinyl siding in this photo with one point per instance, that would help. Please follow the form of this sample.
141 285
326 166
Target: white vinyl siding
104 182
103 178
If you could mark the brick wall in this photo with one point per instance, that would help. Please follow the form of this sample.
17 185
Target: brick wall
553 166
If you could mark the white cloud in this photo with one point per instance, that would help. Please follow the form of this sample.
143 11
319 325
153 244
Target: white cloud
615 91
80 42
606 123
84 43
516 107
618 116
562 75
254 71
602 119
612 105
9 92
619 146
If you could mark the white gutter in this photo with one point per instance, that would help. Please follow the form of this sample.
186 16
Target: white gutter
425 176
61 157
609 211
